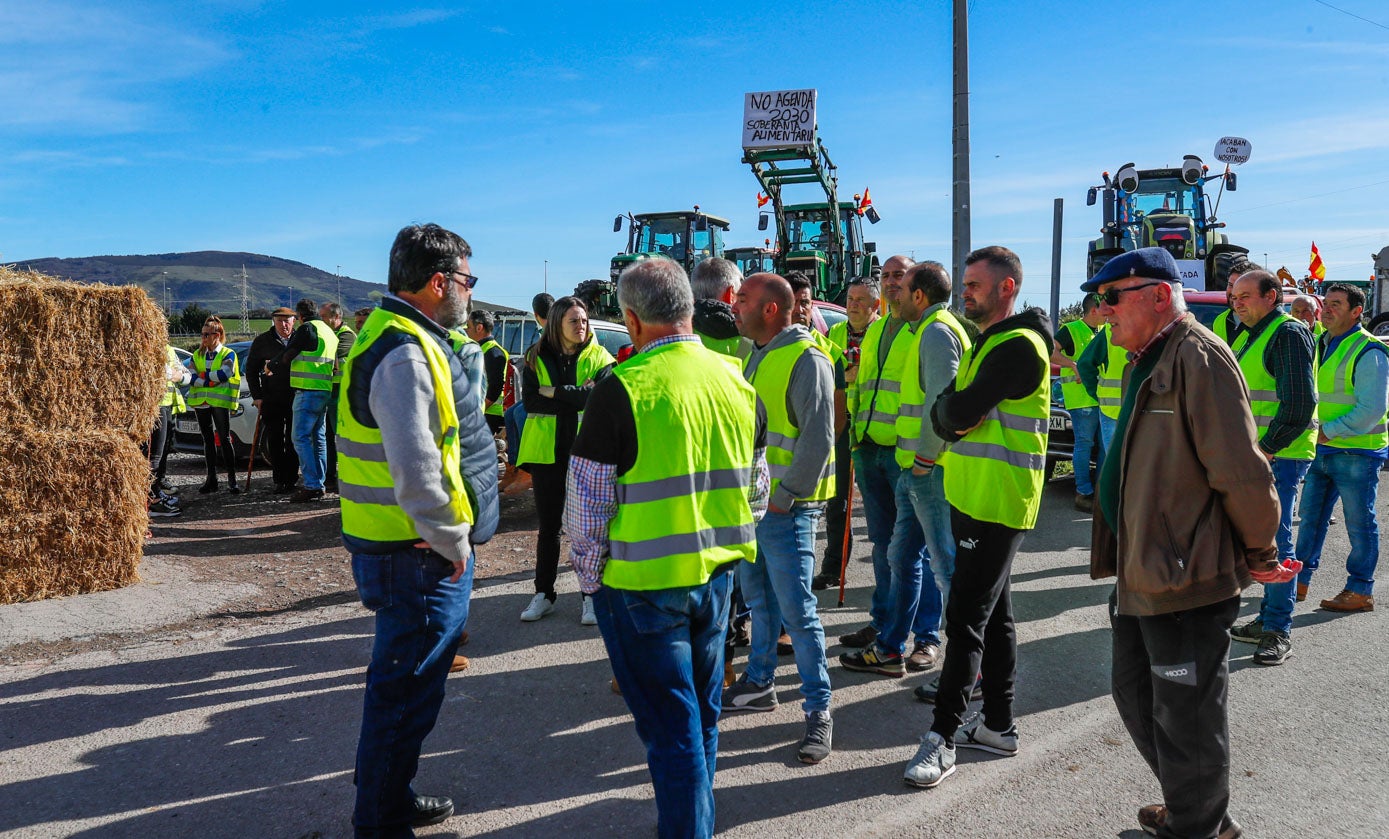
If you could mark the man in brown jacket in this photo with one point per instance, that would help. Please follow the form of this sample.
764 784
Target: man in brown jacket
1186 517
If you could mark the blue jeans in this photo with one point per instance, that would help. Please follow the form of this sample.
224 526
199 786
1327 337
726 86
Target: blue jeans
777 590
515 419
1107 426
914 606
875 472
927 493
666 650
1276 608
1085 423
419 618
1354 478
310 438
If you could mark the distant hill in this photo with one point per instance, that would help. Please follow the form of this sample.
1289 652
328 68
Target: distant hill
211 279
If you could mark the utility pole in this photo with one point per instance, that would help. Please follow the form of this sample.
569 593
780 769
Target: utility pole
960 146
245 302
166 295
1056 263
339 276
547 276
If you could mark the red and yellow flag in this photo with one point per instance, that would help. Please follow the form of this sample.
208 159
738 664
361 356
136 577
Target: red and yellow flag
864 203
1317 269
762 200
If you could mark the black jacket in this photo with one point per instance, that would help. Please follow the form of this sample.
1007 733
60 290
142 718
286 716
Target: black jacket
264 348
1012 370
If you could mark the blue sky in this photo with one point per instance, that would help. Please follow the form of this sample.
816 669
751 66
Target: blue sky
314 131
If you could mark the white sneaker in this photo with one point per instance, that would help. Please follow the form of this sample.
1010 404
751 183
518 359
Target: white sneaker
934 762
540 607
980 736
589 618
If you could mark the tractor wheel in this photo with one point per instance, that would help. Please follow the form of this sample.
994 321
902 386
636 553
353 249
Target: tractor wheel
1379 325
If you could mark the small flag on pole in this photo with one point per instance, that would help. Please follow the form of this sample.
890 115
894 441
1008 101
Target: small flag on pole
762 200
863 203
1317 269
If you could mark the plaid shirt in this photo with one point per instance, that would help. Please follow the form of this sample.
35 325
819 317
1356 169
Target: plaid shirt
590 503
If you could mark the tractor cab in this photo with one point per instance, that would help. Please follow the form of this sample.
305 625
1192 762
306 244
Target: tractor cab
685 237
827 246
1167 208
752 260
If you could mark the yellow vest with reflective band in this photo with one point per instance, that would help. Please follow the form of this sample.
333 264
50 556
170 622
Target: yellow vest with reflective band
877 390
771 380
172 397
538 440
834 353
839 336
496 409
1110 387
1263 394
221 394
313 369
1073 393
912 412
337 370
682 509
1223 325
1317 328
369 507
722 346
995 472
1336 390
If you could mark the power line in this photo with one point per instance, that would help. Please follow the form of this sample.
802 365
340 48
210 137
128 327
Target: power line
1309 197
1352 14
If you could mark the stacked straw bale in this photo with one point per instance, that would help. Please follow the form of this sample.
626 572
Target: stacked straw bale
81 375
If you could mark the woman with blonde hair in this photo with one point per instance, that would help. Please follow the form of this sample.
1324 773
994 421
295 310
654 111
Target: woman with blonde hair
213 395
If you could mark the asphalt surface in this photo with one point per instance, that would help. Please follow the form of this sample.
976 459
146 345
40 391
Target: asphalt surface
250 730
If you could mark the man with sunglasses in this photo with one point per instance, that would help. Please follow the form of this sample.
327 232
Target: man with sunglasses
419 489
1187 515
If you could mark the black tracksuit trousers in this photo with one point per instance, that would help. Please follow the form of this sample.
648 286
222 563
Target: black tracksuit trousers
1171 677
979 625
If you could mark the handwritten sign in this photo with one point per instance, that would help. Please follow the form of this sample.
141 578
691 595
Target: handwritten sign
1233 150
779 119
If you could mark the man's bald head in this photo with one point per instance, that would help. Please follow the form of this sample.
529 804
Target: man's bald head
894 279
763 307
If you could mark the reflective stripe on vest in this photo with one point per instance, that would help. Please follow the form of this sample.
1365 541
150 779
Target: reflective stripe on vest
496 409
337 362
369 507
1263 394
682 509
1073 394
772 380
1336 390
538 441
995 472
313 370
876 391
222 394
912 412
1110 387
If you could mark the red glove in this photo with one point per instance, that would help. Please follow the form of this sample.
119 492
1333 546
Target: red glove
1284 573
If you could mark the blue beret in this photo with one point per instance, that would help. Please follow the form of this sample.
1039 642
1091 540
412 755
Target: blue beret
1153 263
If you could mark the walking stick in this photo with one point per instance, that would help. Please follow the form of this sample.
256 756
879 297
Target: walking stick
848 530
255 438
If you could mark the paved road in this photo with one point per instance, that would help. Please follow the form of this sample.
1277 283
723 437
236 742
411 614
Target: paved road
250 731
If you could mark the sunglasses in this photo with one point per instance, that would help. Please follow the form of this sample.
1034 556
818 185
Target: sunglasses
210 334
468 281
1111 296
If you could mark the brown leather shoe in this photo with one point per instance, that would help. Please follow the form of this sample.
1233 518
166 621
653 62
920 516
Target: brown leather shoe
460 663
923 657
1349 601
615 688
1154 816
1301 592
728 676
463 638
783 645
508 475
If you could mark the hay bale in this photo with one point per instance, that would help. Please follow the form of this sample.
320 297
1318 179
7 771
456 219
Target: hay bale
75 356
72 513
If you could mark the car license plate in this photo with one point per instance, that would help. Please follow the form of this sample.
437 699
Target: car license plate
1056 423
190 426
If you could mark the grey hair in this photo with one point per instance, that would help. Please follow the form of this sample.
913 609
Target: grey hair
1305 298
656 291
712 276
1178 299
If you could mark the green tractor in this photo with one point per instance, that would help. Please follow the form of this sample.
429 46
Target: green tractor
753 260
1168 208
688 237
822 239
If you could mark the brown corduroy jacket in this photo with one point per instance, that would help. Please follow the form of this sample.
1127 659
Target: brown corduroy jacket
1197 509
